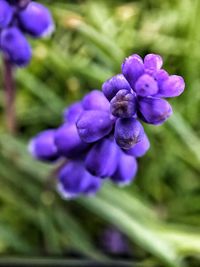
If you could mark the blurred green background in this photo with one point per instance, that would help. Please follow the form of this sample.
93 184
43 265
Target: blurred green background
160 212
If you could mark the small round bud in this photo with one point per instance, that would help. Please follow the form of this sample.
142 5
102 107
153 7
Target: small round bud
93 125
153 61
42 146
132 69
102 160
95 100
154 110
113 85
128 132
36 20
123 105
172 87
68 141
75 180
15 46
126 170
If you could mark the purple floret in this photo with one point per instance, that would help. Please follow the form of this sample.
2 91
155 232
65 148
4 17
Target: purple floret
149 84
18 18
74 180
102 135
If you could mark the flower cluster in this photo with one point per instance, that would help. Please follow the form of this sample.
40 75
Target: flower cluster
101 135
19 17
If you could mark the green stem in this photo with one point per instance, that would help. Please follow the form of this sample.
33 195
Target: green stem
10 95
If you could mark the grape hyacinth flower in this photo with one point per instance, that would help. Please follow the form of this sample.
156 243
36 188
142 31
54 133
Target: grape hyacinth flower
140 89
101 136
17 19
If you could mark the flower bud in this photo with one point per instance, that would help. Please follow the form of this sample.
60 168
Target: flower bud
42 146
93 125
95 100
132 69
6 14
113 85
68 141
36 20
146 86
102 160
75 180
15 46
140 149
123 105
73 112
154 110
172 87
126 170
153 61
128 132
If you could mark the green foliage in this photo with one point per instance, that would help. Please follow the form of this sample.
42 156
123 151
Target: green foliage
160 212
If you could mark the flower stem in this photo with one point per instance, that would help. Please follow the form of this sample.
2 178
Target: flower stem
10 95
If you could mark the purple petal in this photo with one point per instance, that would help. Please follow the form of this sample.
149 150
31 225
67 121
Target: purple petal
75 180
42 146
93 125
172 87
68 141
6 14
154 110
128 132
126 170
102 160
153 61
146 86
113 85
132 69
95 100
15 46
73 112
140 149
36 20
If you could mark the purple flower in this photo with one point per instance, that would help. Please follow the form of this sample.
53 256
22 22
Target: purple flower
18 18
6 14
128 132
95 100
42 146
123 105
68 142
36 20
101 160
148 83
132 69
114 84
93 125
154 110
75 180
15 46
126 170
101 138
